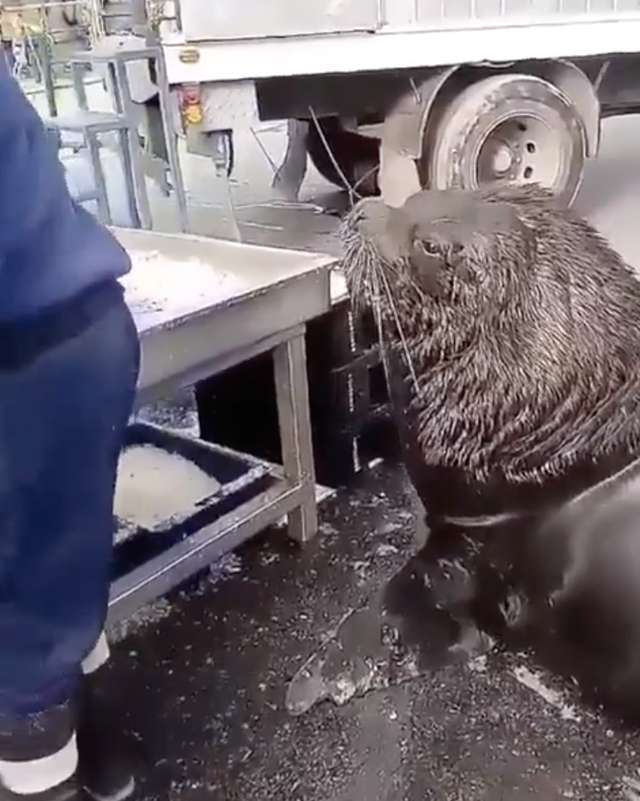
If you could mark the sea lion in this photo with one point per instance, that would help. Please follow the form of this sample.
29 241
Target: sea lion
510 332
580 584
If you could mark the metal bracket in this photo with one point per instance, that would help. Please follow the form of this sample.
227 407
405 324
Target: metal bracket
291 173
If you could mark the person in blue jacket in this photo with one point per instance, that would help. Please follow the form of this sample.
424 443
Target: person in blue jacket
69 359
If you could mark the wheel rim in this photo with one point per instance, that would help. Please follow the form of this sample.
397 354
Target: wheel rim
473 143
523 149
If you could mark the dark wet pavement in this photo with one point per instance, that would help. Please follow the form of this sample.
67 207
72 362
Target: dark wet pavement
205 687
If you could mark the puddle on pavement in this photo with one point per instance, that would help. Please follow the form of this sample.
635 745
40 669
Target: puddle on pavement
421 621
398 636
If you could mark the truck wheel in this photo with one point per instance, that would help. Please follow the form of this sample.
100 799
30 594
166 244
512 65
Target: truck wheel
357 156
508 129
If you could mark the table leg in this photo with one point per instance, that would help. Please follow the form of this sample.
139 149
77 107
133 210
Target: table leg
292 393
133 190
77 75
104 210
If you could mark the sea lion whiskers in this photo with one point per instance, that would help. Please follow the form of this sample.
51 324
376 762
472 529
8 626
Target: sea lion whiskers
393 273
373 237
359 257
367 278
401 333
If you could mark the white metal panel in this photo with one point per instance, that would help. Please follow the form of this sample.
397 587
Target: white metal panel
399 13
442 12
393 49
438 12
241 19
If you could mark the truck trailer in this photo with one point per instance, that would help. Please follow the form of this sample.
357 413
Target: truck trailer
387 96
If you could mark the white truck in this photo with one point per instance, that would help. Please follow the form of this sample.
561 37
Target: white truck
391 95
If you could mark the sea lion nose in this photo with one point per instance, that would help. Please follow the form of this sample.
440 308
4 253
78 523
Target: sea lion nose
370 216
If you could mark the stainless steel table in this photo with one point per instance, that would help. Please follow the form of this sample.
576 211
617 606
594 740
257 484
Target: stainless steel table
196 335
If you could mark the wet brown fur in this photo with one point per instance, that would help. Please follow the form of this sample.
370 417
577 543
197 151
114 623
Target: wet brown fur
523 327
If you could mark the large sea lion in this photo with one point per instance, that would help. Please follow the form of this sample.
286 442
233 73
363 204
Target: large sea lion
510 332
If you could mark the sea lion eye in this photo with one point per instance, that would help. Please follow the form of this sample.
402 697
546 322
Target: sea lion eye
430 247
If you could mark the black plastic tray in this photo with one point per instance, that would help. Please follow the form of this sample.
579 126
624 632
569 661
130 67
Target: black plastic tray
241 477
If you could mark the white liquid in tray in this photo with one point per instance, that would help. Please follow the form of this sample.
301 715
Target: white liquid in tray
154 486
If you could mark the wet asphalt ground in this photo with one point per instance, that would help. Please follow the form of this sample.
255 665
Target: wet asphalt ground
208 679
204 686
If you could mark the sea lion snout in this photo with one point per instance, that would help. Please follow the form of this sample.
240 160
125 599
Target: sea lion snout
384 227
433 258
370 209
370 218
429 252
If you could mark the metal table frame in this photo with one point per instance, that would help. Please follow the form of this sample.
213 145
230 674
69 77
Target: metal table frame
293 492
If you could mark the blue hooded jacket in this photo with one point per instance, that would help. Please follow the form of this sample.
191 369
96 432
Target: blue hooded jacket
51 249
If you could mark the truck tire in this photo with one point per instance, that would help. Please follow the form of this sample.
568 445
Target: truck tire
357 156
509 129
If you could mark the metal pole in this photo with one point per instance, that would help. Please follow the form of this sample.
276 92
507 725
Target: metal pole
170 138
77 74
130 146
139 20
47 76
104 210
